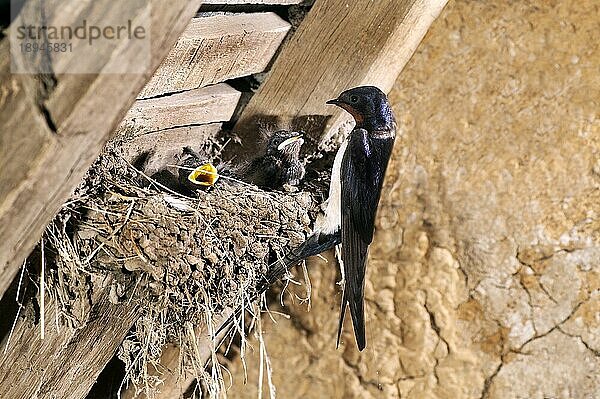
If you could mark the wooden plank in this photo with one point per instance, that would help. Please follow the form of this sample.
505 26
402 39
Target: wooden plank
238 2
164 147
340 44
67 362
166 141
93 106
215 48
193 107
20 153
77 71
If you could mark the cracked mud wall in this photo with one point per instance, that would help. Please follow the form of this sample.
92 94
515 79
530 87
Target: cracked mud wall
484 278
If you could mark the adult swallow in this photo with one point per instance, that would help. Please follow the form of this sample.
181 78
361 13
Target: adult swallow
349 217
362 167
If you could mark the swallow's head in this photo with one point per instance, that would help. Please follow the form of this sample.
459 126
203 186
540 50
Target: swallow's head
285 143
368 105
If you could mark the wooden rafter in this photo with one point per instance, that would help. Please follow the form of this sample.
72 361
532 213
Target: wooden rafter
215 48
253 2
206 105
340 44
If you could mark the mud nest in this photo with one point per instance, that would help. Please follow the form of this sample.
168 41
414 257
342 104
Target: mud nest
182 260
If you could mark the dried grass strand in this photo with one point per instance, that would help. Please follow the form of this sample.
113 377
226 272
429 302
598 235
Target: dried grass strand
19 307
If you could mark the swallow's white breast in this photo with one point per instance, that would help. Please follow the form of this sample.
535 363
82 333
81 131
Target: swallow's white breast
331 221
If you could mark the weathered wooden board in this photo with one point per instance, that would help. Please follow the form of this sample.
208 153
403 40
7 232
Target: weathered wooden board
193 107
214 48
65 363
164 147
237 2
340 44
56 130
19 112
168 140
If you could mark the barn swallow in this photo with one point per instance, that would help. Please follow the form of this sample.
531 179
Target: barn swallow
355 188
280 164
362 169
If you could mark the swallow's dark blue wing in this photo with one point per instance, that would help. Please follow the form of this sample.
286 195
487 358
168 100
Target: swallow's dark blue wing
363 169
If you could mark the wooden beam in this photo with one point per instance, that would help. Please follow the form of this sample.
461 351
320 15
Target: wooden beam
51 133
66 363
340 44
237 2
19 153
214 48
206 105
167 140
165 146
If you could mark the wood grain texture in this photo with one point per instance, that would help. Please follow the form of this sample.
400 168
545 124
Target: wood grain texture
167 140
340 44
206 105
215 48
58 130
66 363
237 2
165 147
19 112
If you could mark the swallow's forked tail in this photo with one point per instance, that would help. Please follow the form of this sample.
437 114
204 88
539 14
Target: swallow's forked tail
354 300
354 259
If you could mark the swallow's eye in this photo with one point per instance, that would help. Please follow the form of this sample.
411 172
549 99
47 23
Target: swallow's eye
353 99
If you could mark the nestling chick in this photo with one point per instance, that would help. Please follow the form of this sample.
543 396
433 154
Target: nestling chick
281 163
190 161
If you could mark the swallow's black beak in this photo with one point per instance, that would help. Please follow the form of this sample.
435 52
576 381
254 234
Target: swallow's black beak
348 108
